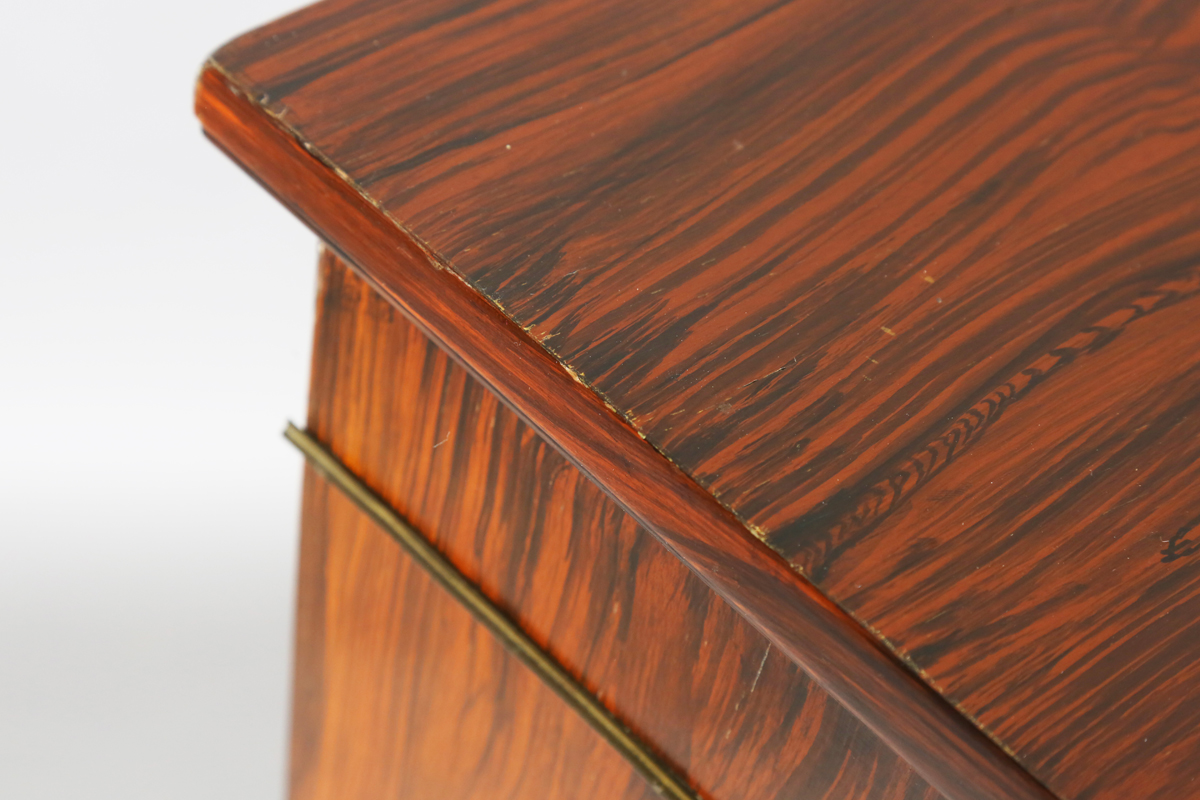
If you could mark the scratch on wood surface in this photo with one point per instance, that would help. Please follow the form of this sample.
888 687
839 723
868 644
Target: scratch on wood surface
761 664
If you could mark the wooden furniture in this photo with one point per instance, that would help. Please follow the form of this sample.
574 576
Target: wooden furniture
813 387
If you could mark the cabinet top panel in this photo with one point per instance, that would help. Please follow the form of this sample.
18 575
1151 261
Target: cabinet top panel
911 289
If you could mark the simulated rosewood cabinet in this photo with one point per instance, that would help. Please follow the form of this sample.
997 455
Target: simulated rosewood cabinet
742 399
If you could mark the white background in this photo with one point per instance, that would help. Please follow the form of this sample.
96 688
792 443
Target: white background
155 313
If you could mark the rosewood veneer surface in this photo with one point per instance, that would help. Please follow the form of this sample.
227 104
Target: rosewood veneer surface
400 694
909 290
627 619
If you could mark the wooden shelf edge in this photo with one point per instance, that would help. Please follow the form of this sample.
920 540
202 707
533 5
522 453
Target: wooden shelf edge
848 661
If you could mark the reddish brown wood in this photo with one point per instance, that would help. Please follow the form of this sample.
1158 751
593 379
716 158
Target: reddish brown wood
621 613
401 695
844 659
910 289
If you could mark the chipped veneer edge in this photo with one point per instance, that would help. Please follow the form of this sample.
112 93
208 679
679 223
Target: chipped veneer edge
441 263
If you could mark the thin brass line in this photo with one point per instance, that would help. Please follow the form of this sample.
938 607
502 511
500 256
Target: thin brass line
660 778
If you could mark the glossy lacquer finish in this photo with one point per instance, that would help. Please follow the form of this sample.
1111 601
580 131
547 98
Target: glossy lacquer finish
911 289
401 695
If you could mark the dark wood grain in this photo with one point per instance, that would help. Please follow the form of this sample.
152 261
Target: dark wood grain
910 289
401 695
946 749
631 622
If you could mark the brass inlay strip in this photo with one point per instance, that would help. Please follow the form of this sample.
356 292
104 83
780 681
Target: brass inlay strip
508 632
